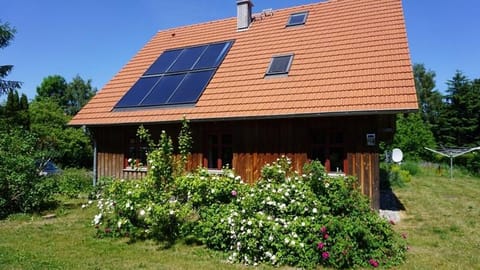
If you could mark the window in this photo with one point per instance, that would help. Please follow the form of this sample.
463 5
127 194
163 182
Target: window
328 148
220 151
280 65
178 76
297 19
136 154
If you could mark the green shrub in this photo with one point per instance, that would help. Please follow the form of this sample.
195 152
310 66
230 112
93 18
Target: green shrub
22 189
398 177
283 219
74 182
412 167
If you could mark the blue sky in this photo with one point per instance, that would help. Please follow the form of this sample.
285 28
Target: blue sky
96 38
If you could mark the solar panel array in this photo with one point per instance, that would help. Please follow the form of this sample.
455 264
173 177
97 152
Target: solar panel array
178 76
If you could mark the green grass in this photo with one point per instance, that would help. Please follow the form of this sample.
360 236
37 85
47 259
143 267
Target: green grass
442 222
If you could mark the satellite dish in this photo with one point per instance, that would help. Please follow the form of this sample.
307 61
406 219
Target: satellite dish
397 155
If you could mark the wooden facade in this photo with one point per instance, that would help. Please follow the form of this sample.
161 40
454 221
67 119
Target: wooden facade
341 144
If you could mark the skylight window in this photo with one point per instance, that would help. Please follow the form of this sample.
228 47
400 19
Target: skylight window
297 19
280 65
177 77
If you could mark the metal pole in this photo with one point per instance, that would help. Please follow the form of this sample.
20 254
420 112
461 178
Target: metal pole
94 161
451 167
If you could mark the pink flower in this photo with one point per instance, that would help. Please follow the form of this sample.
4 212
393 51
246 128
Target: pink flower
234 193
373 263
325 255
323 230
320 245
326 236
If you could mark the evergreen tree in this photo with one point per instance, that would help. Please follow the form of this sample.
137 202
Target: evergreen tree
7 34
15 112
461 113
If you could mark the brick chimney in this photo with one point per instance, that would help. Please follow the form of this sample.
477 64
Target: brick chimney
244 14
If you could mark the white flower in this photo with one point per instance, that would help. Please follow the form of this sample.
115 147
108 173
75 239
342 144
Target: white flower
119 224
270 238
142 213
90 202
249 223
127 205
129 192
231 175
327 185
314 210
83 206
303 224
302 245
97 218
287 240
249 231
172 212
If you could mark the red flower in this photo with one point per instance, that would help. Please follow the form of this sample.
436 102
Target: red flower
320 245
326 236
373 263
325 255
323 230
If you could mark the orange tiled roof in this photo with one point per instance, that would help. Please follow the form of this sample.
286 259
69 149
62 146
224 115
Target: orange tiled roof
351 56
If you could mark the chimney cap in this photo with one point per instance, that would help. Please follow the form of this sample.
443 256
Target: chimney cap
239 2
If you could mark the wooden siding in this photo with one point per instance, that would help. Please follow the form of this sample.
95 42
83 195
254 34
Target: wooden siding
258 142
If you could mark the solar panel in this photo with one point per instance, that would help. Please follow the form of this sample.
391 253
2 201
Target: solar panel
163 62
187 59
297 19
213 55
191 88
163 90
178 76
280 65
138 91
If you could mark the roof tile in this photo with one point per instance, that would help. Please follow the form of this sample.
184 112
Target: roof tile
350 56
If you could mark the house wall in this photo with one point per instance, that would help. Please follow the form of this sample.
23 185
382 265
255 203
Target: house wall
257 142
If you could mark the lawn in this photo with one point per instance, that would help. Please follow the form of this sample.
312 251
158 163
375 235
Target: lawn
441 221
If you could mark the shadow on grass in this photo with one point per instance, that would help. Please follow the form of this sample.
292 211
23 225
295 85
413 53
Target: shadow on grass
388 199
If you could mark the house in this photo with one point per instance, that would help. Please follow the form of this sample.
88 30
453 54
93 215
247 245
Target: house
319 81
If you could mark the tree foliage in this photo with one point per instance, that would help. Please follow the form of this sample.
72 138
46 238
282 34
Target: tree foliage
412 136
68 146
15 111
22 189
70 96
7 33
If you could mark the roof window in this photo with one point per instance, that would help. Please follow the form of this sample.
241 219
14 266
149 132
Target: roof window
297 19
280 65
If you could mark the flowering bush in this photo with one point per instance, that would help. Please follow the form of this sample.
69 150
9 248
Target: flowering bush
301 221
284 219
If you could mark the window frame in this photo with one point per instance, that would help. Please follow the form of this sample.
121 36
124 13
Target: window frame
138 159
219 149
269 73
290 24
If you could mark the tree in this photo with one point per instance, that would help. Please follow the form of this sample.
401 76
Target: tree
429 99
54 88
68 146
70 96
412 136
461 113
15 112
7 34
79 92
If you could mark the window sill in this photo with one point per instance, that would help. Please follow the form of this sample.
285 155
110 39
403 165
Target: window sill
215 171
140 169
336 174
